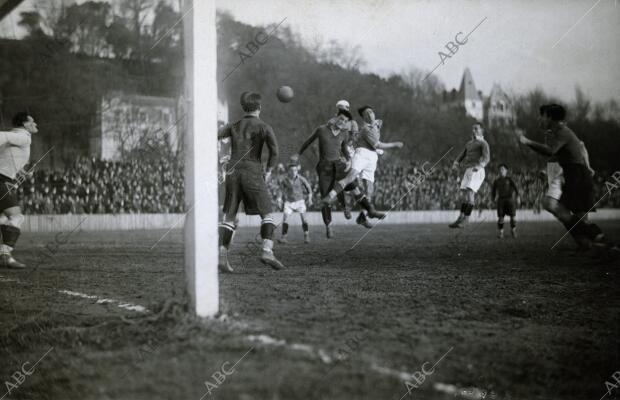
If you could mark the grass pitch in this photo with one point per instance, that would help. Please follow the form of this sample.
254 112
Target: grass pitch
511 318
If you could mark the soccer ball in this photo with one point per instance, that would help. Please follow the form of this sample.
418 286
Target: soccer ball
285 94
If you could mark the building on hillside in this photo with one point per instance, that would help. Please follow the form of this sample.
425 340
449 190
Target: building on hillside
498 109
127 122
466 97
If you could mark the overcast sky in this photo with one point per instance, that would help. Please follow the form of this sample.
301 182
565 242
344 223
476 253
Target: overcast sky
520 45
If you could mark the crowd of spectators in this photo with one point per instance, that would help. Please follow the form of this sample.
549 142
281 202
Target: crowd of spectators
410 187
90 186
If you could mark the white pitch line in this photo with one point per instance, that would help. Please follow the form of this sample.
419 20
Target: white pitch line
102 300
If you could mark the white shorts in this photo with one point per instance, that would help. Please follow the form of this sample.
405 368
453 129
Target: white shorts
365 162
472 180
295 206
555 180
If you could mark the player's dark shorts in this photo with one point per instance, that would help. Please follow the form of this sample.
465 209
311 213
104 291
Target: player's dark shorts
578 188
329 173
245 183
8 193
506 207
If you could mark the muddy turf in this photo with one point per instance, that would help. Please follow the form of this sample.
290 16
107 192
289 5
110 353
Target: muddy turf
511 318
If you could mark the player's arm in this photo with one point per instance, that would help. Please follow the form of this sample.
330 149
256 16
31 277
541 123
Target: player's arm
388 145
308 188
486 155
516 190
14 138
554 145
459 158
586 157
309 141
344 147
224 132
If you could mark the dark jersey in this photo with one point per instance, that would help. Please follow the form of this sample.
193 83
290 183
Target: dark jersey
505 187
331 147
248 135
293 188
566 146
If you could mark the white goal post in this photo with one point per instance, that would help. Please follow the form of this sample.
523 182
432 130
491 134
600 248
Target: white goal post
201 186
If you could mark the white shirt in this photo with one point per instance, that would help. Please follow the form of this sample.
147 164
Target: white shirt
14 151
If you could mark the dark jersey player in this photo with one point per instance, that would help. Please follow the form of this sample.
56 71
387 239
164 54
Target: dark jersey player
504 193
334 138
577 198
245 181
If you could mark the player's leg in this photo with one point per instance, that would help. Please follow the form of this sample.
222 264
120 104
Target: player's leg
305 227
327 176
287 212
471 182
343 202
512 211
465 197
11 231
227 227
500 218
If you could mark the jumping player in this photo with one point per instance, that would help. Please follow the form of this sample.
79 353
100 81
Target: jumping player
474 157
504 192
293 187
577 198
14 155
364 163
333 152
353 132
245 182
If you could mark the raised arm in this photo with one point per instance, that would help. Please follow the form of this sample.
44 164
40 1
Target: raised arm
309 141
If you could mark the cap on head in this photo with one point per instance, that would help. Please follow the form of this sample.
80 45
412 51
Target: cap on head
343 105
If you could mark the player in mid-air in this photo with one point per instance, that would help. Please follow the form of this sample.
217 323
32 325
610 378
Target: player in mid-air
294 189
503 193
334 138
474 157
245 181
14 155
364 163
577 197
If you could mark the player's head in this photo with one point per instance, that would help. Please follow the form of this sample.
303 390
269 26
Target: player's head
344 115
24 120
293 169
367 114
503 170
551 114
343 105
250 102
477 131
